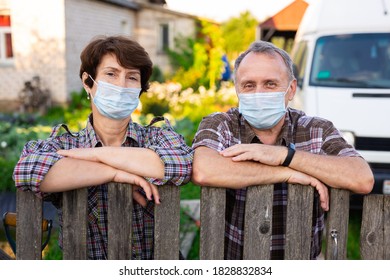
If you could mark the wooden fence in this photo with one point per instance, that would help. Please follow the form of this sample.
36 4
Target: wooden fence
375 228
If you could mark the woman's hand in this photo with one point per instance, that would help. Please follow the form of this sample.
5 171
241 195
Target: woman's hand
138 183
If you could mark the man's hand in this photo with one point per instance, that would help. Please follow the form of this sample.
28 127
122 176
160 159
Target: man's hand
306 180
138 182
266 154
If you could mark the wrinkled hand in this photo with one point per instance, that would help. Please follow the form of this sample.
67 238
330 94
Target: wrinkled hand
89 154
306 180
138 183
266 154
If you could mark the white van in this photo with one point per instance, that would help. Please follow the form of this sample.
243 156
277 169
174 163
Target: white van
342 58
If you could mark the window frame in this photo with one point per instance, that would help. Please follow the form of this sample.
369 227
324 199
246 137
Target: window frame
164 37
4 30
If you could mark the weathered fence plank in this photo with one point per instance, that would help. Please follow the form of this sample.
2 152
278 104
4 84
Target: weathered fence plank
258 222
74 209
299 222
337 225
28 226
212 219
375 228
386 228
371 233
120 210
167 224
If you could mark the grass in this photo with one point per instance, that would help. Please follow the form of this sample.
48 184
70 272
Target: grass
189 191
353 244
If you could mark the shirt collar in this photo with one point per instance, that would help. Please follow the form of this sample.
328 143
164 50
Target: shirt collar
247 134
93 139
286 135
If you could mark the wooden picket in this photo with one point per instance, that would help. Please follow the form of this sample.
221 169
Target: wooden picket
375 228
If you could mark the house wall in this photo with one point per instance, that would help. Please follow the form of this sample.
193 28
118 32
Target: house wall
148 32
49 35
38 48
86 19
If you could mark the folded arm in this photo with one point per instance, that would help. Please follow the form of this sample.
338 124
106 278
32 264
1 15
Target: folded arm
344 172
124 158
165 159
212 169
43 171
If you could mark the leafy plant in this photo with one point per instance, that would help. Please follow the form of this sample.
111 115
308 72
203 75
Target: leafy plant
239 33
157 75
198 62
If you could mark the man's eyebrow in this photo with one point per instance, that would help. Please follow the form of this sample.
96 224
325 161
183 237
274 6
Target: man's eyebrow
246 81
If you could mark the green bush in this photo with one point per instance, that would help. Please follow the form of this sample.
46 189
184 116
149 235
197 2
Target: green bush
157 75
185 109
17 129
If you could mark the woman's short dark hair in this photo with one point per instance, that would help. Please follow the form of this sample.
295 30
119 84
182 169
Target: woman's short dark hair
129 53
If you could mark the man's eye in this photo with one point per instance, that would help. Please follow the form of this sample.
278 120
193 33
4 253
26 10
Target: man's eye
271 85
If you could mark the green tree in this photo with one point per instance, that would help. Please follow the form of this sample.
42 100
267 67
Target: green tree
239 33
198 62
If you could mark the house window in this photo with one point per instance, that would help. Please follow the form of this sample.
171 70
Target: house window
6 53
164 37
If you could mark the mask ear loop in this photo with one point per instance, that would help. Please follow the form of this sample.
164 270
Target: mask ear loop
89 95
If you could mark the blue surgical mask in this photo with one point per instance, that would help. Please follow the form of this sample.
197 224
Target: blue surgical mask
115 102
262 110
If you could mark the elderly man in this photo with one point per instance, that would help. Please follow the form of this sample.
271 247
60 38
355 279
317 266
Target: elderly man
263 141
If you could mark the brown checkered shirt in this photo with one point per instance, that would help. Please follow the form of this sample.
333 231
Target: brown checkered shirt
219 131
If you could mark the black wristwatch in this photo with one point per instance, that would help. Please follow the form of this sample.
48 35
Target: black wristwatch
290 154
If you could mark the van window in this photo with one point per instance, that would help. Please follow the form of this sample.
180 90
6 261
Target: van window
299 57
353 60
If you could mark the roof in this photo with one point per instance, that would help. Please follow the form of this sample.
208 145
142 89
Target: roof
288 18
123 3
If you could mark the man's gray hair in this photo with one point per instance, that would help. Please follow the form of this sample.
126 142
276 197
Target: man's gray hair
266 48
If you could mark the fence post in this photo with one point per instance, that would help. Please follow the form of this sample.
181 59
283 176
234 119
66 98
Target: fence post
337 225
258 222
167 224
375 230
120 217
299 222
28 226
74 229
386 228
212 219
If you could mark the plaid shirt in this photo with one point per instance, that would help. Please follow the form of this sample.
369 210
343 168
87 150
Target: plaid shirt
39 156
315 135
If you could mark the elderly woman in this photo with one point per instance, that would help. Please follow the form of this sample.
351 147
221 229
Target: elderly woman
111 148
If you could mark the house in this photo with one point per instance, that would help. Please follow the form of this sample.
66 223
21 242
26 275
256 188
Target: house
44 38
284 24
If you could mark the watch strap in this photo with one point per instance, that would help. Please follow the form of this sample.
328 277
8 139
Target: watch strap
290 154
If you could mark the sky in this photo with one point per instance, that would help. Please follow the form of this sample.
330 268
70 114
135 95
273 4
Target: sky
222 10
